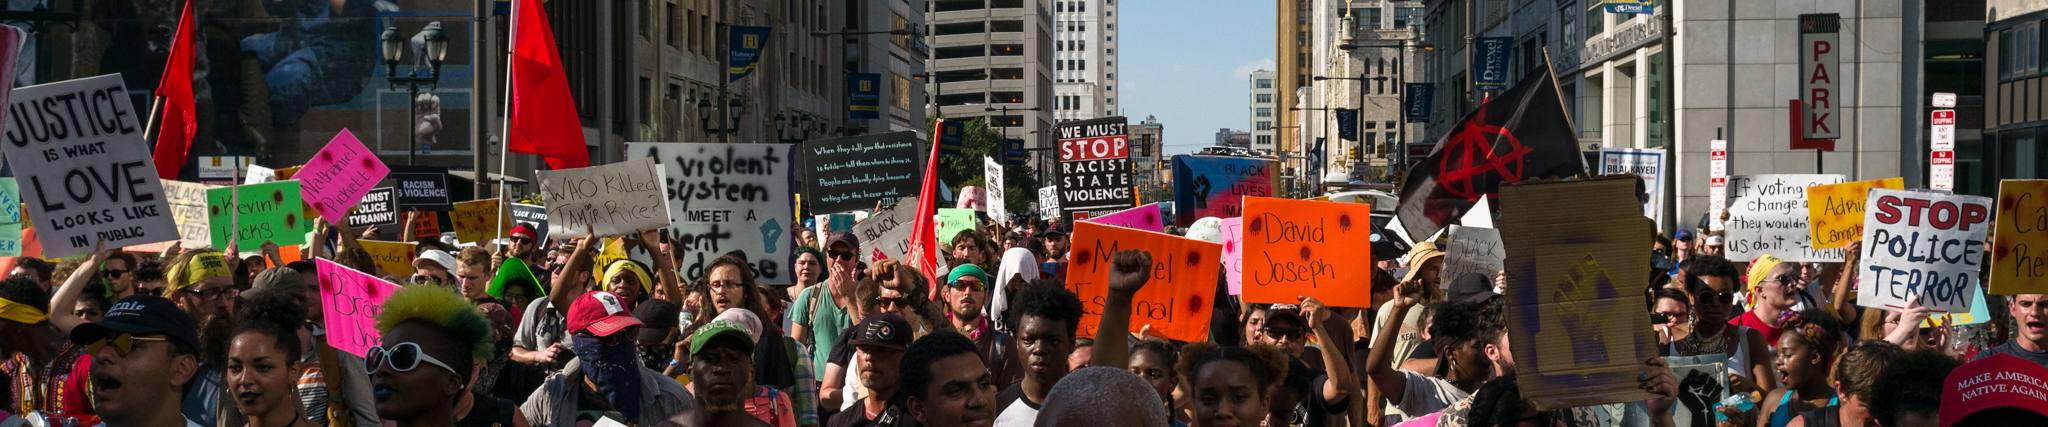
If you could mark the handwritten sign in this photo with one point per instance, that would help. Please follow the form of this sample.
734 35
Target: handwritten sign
992 175
394 257
1233 254
1767 214
351 299
1175 299
1206 186
189 211
2019 248
426 226
616 199
1979 313
533 216
1576 270
1835 212
726 197
954 221
1145 217
886 233
264 212
1304 248
846 174
11 239
1926 244
1048 201
1473 250
421 188
377 207
336 178
10 201
84 171
479 221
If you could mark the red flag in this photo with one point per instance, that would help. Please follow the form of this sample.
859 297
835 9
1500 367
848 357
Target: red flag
542 116
174 131
924 233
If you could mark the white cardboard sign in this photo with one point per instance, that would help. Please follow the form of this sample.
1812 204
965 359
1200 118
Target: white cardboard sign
83 168
1922 243
1767 214
616 199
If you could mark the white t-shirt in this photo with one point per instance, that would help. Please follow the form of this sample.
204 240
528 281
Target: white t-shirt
1427 395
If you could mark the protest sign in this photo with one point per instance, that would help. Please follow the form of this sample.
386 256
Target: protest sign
351 299
188 210
263 212
480 221
1233 254
726 197
953 221
992 180
11 239
1048 202
1145 217
1095 167
395 257
2019 247
1702 383
1921 243
1979 313
532 216
1645 163
886 233
852 173
77 151
615 199
1767 214
1574 302
1176 296
377 207
824 225
1215 186
1304 248
421 188
10 201
1472 250
1835 211
336 178
426 225
259 175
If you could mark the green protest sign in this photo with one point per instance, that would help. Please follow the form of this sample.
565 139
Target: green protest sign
954 221
264 212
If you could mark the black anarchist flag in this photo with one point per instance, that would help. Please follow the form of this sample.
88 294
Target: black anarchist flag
1521 134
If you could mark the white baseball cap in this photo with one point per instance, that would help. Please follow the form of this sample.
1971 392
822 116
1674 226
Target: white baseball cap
436 256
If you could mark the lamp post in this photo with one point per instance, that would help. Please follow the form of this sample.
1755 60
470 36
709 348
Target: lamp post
436 45
803 123
728 127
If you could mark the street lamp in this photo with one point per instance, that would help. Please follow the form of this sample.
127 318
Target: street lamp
435 51
735 108
802 122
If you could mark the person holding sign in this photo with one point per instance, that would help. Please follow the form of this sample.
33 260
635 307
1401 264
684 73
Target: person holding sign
144 353
1469 348
432 339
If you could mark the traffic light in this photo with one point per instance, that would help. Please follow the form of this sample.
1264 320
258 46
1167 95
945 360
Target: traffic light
1355 154
1383 150
1145 147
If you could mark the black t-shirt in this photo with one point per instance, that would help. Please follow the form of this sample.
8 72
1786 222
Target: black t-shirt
857 416
1012 396
487 412
842 350
1313 410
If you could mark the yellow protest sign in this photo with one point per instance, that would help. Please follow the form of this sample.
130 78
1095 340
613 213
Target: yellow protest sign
393 257
474 220
1835 211
2019 242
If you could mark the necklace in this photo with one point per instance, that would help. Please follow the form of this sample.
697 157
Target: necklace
1698 344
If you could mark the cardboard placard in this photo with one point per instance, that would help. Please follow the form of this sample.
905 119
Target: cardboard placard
1233 254
350 300
1835 212
395 257
1575 304
377 207
1145 217
189 211
727 197
1928 244
474 221
615 199
336 178
84 171
992 180
532 216
1303 248
2019 247
426 226
1702 383
421 188
1095 167
11 239
1175 299
264 212
10 201
1472 250
1767 214
853 173
1206 186
1048 202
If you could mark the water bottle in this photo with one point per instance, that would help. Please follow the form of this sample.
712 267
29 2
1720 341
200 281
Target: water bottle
1741 402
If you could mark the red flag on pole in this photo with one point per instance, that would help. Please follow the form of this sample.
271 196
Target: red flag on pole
923 254
178 122
541 117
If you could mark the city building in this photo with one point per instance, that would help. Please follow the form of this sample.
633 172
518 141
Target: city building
1263 104
1294 23
994 59
1084 59
1148 139
1226 137
1369 59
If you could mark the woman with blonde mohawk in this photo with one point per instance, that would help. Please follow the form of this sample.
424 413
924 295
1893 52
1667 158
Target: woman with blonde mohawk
421 373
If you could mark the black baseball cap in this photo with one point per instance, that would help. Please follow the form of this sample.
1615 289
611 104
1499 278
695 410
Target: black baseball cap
138 315
883 329
837 237
657 319
1470 287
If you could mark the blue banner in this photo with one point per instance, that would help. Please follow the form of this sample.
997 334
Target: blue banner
1347 124
1629 6
1417 101
745 50
863 96
1491 58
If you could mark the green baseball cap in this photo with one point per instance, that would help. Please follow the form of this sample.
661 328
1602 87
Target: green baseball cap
965 270
720 329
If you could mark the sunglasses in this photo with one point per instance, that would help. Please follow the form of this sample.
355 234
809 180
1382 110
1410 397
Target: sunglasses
123 343
113 273
841 255
1718 297
1288 333
403 357
521 240
891 303
973 285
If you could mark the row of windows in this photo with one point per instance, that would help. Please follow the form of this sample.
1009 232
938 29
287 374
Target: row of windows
1371 17
1263 125
1263 98
2019 50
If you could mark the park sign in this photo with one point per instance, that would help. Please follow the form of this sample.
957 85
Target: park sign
1922 243
84 171
854 173
1095 167
1820 65
728 197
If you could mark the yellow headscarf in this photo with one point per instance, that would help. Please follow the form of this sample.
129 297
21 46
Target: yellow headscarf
1757 270
205 265
22 313
619 267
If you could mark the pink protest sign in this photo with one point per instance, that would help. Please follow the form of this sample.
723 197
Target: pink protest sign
334 180
350 300
1233 253
1143 218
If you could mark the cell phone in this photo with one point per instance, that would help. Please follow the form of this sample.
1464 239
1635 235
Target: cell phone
1659 318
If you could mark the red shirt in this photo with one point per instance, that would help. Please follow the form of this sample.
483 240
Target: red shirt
1770 333
60 387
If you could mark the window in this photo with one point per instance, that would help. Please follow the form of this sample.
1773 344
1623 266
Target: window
2005 59
1081 6
646 16
1264 98
899 91
1109 51
1081 64
1265 83
1059 6
1405 17
958 52
1368 18
1059 65
675 25
1265 139
646 100
1265 112
1571 27
1264 125
959 28
1596 17
1110 101
1011 26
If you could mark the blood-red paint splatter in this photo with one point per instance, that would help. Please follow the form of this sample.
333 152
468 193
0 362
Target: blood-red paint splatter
291 220
277 196
1258 225
367 164
326 156
1195 304
1084 257
326 284
1194 259
318 206
1151 218
1304 253
214 210
1229 246
1344 222
370 291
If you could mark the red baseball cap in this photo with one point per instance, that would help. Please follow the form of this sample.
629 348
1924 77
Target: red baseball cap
516 231
2001 381
602 313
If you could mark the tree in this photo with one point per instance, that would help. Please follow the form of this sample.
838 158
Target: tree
1020 182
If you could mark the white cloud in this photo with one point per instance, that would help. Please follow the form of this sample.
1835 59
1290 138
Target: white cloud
1245 71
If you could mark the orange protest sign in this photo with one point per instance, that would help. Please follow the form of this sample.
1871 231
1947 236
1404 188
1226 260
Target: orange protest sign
393 257
474 219
426 225
1298 248
2019 243
1835 211
1176 300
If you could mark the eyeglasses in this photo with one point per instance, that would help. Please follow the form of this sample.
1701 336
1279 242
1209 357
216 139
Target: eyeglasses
421 279
891 303
150 291
114 273
403 357
1288 333
217 294
1718 297
972 285
841 255
123 343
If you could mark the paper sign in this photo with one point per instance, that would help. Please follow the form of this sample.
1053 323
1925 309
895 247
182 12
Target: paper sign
421 188
1645 163
616 199
259 175
10 201
474 221
1175 299
1145 217
1233 253
1575 305
954 221
852 173
886 234
377 207
351 300
1702 383
1215 186
1835 212
189 210
2019 247
426 226
395 257
1302 248
992 178
1928 244
726 197
83 169
1472 250
1048 202
264 212
336 178
10 239
532 216
1979 313
1767 214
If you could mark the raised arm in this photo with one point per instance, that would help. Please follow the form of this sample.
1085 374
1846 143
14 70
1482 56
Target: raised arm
1338 387
1127 275
1391 383
565 288
67 294
1844 278
664 268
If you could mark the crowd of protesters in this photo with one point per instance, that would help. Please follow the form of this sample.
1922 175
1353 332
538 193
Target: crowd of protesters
527 332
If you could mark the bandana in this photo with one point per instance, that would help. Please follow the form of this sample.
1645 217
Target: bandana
621 267
615 370
1823 342
206 265
21 313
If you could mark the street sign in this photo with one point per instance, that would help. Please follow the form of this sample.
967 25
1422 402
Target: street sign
1944 100
1944 117
1943 130
1941 170
1717 191
1820 69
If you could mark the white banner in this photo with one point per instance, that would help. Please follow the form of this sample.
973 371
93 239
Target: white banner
84 171
726 197
1767 214
1647 163
992 182
617 199
1921 243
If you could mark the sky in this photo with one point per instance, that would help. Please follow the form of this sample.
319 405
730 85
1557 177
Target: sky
1188 62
